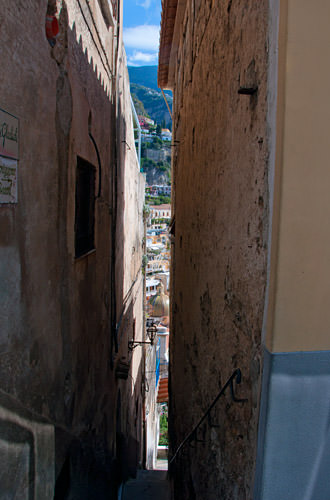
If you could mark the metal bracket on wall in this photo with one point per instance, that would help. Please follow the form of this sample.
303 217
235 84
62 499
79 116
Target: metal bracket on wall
247 90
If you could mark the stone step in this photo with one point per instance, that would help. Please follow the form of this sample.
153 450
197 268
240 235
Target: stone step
148 485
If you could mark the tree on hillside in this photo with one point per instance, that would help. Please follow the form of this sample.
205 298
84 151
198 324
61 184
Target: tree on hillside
156 143
139 106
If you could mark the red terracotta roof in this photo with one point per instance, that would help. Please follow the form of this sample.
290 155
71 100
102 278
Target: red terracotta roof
162 396
165 206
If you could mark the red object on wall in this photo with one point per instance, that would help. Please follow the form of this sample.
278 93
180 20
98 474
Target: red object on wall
52 27
162 396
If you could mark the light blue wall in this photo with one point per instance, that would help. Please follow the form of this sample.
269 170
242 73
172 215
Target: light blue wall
293 461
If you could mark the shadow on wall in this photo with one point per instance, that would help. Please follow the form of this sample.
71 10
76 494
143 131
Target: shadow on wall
102 64
129 446
26 453
86 33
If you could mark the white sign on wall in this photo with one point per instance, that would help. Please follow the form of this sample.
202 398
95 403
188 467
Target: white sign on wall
8 180
8 135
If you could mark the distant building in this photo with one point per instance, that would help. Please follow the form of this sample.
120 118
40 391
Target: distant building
165 278
159 304
147 137
165 190
157 190
156 266
163 154
166 134
152 190
145 122
160 211
151 287
149 121
158 239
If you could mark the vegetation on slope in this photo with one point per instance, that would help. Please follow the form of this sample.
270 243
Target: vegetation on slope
153 103
146 76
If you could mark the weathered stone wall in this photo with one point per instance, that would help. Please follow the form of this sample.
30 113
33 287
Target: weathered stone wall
61 316
220 161
129 275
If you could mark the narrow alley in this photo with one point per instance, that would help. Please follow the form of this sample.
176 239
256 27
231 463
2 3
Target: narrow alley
164 250
148 485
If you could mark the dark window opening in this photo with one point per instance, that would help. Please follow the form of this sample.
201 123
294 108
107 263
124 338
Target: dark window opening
85 204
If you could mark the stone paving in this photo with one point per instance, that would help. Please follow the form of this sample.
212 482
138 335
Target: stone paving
148 485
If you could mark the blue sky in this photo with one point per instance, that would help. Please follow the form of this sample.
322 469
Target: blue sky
141 31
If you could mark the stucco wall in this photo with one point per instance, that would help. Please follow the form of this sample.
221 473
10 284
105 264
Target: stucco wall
129 275
293 461
58 314
299 292
220 169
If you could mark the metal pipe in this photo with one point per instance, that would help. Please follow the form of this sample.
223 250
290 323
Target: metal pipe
168 107
138 129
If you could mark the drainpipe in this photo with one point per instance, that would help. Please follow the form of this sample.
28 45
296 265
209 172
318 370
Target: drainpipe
138 130
144 357
114 190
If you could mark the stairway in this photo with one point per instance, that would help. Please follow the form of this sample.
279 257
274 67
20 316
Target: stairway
148 485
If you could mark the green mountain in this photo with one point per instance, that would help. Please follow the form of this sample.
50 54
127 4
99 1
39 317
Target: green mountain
149 101
144 89
153 103
139 106
144 75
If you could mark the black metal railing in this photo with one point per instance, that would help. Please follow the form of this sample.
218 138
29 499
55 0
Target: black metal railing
193 434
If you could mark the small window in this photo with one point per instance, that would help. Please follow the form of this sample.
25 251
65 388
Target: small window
85 203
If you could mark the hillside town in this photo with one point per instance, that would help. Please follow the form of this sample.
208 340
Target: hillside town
156 157
158 218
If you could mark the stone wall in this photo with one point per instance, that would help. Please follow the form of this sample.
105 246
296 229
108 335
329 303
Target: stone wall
64 392
163 154
220 166
129 276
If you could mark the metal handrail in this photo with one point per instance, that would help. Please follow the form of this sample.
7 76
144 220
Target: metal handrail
236 374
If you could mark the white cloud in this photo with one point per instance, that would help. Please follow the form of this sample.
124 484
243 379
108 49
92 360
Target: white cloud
145 37
142 57
146 4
